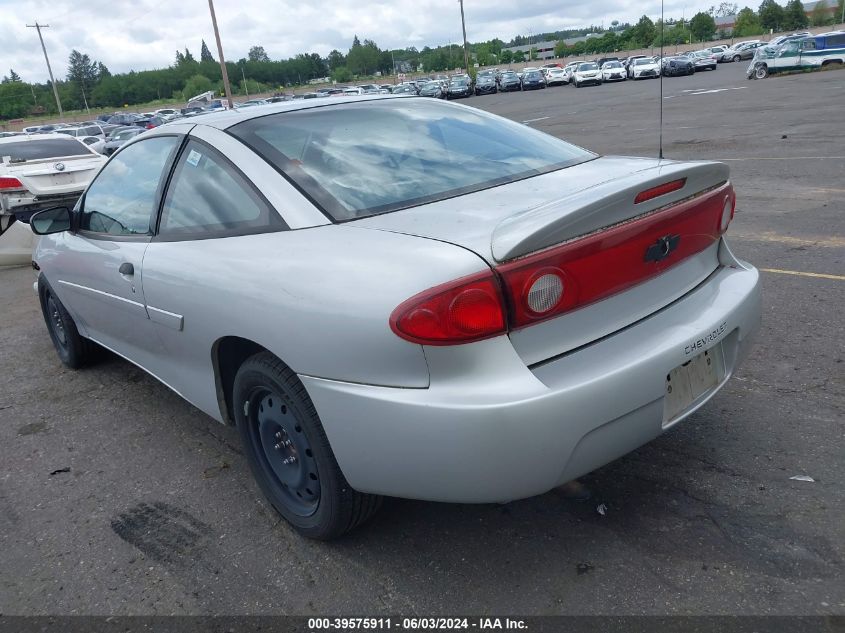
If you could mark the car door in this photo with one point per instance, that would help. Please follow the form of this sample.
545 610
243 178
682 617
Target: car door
210 215
97 269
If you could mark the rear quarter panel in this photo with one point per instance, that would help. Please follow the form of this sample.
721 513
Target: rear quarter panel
318 298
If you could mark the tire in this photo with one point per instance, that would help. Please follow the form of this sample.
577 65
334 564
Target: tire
761 71
73 349
278 422
736 58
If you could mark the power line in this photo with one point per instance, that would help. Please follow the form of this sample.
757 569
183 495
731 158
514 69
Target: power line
38 28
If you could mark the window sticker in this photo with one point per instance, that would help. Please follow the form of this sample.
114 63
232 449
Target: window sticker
194 158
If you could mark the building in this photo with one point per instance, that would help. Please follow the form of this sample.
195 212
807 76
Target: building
546 50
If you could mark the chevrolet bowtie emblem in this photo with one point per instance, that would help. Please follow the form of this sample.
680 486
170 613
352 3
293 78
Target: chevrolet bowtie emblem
661 249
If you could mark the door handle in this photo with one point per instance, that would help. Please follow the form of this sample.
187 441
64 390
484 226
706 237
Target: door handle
126 269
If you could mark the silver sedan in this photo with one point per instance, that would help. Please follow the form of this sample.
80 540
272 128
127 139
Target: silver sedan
401 296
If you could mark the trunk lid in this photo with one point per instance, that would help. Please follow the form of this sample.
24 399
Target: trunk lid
512 220
525 219
55 176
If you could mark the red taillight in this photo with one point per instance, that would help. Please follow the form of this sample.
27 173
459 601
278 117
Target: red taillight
149 126
463 311
660 190
10 183
610 261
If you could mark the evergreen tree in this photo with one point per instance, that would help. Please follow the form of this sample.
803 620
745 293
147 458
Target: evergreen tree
747 23
794 16
13 76
205 54
703 26
188 57
771 15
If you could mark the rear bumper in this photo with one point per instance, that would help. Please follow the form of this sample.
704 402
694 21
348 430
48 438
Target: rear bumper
490 429
24 205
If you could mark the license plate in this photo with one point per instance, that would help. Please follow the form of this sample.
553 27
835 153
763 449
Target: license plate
691 381
62 179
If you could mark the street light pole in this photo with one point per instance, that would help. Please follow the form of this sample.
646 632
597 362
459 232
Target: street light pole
223 70
464 28
38 28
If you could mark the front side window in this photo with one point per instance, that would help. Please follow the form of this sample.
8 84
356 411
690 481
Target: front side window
357 160
208 196
122 199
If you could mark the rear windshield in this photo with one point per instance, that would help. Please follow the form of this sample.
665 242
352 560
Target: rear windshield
41 148
360 159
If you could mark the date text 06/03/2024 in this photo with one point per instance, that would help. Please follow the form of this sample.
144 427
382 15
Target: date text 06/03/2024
414 624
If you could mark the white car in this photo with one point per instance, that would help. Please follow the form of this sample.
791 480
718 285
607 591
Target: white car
587 73
555 76
94 142
42 171
167 113
80 131
645 68
569 69
613 71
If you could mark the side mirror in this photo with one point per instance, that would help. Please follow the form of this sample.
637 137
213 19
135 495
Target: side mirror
49 221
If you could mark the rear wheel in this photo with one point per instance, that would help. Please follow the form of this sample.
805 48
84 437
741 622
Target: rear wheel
737 58
289 453
73 349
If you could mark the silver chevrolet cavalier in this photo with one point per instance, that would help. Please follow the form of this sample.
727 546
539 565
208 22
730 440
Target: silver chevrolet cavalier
401 296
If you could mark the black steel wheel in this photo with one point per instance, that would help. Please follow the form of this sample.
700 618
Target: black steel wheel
73 349
289 453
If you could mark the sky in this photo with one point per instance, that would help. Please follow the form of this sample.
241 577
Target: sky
144 34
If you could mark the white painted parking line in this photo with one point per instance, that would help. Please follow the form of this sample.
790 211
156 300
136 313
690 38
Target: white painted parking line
714 90
542 118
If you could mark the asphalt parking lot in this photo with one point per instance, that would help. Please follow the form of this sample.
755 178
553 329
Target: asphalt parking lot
117 497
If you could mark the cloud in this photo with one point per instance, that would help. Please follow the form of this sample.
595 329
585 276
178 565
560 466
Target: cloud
145 34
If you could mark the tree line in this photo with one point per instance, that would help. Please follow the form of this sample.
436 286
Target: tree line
88 82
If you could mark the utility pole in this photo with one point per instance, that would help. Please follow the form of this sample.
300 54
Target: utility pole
38 28
223 70
464 28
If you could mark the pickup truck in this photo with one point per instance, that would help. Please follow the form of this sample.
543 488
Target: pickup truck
807 53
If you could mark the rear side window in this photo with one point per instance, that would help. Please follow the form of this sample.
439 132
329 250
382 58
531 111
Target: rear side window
833 41
208 197
21 151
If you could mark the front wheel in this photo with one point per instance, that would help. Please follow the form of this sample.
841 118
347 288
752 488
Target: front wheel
761 71
737 58
289 453
73 349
